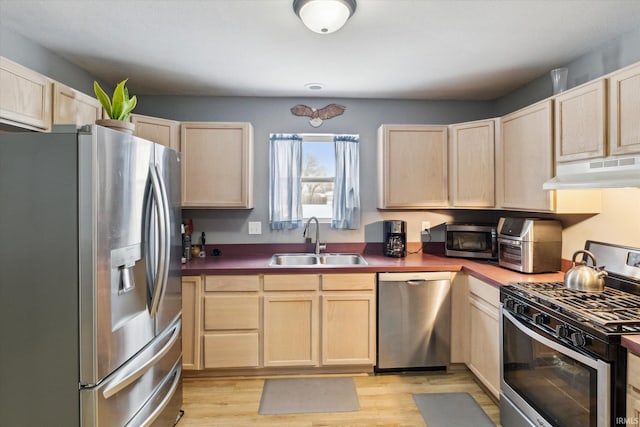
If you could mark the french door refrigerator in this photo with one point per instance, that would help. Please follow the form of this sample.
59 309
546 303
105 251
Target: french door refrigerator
90 298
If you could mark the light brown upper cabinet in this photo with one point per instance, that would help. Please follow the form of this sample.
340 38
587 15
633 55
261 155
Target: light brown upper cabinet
26 97
72 107
412 167
580 122
526 157
472 164
525 162
217 165
624 111
162 131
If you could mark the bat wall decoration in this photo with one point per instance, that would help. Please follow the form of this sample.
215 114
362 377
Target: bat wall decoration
317 116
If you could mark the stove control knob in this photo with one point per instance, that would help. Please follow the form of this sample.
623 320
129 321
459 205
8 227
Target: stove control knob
578 339
541 319
509 303
521 308
562 331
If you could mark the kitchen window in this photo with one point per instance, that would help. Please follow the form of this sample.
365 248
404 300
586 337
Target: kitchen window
318 176
314 175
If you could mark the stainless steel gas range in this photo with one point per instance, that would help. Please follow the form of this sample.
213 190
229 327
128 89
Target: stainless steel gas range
561 359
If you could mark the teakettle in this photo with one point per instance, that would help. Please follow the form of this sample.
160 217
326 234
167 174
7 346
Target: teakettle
582 277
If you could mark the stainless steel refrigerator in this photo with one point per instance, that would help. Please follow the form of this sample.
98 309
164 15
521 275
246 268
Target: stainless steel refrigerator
90 298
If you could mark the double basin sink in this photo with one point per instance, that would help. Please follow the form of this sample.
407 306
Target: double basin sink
316 260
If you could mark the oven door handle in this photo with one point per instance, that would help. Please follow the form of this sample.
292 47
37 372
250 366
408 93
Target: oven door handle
602 368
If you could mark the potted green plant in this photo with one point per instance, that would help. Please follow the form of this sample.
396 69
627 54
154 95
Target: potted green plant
118 107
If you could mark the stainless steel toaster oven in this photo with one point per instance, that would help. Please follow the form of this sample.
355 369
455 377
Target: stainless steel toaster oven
530 245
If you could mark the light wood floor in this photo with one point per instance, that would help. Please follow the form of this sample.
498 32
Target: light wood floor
385 400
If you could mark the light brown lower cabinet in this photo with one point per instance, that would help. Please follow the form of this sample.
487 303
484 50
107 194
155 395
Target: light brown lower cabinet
460 318
484 334
633 390
348 329
298 333
291 330
231 322
231 350
191 318
231 337
348 319
279 321
274 321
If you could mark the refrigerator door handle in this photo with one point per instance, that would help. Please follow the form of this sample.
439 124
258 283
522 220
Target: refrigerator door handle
162 272
148 421
152 355
167 236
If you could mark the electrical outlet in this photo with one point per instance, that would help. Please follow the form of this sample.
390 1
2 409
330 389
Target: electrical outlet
426 226
255 227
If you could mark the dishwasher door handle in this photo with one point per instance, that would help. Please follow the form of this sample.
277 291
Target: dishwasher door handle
416 282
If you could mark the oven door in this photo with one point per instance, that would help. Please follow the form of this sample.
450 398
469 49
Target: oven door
545 383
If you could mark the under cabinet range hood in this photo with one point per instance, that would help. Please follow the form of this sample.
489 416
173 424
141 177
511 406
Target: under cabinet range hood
600 173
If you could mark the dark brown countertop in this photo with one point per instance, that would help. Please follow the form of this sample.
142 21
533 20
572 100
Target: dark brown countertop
254 259
631 343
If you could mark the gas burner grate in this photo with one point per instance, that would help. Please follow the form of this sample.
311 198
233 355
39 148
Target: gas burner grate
611 308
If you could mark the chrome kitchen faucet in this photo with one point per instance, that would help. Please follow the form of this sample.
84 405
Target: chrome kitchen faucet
319 246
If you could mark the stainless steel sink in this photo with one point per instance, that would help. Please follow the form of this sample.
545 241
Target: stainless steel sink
300 260
313 260
342 259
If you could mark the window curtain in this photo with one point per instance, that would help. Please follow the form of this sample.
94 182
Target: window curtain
285 186
346 189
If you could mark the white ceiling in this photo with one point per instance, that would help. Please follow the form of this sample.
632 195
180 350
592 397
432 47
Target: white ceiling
413 49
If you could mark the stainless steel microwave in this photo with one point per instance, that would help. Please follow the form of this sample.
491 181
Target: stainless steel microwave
471 241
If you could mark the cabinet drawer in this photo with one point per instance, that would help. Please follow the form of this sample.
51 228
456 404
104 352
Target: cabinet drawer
291 282
231 312
232 283
485 291
339 282
231 350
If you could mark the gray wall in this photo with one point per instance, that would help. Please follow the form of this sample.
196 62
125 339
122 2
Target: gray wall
610 56
31 55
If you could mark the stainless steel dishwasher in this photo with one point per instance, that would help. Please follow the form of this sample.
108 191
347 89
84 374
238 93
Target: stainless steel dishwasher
414 320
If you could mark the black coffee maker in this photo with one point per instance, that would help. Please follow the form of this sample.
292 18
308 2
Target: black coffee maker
395 238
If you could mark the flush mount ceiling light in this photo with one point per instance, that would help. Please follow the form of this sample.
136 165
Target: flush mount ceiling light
314 86
324 16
